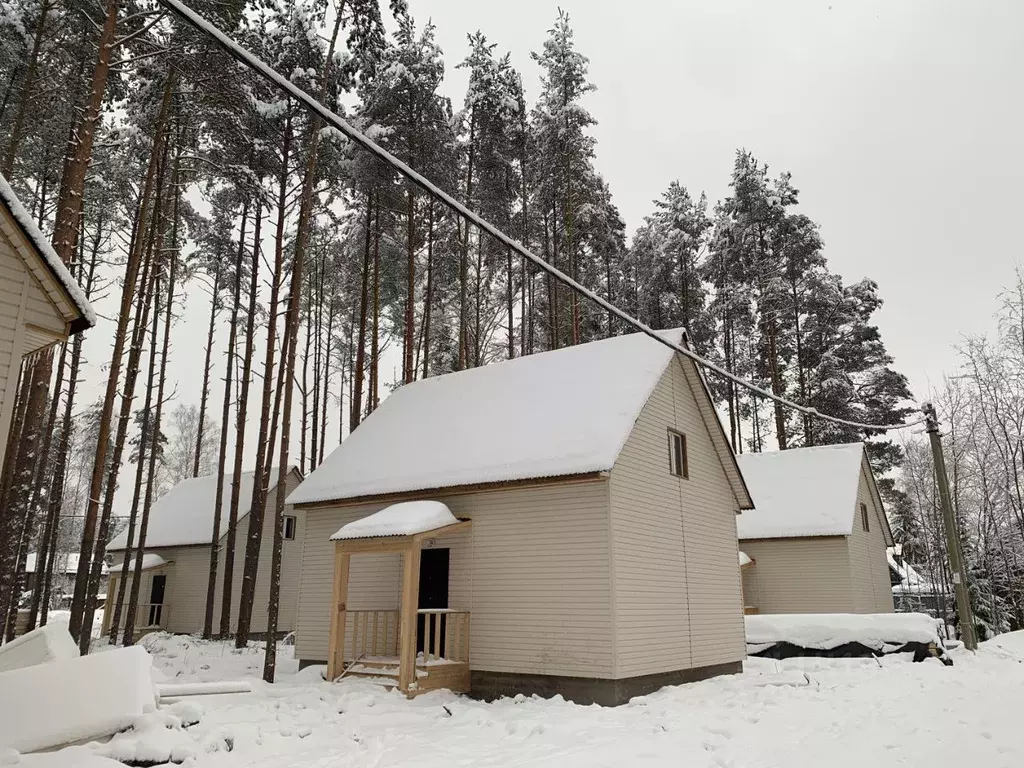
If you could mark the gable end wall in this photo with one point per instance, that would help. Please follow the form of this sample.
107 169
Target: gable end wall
676 597
872 592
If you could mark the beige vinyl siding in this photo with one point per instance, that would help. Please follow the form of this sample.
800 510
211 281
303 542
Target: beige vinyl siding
677 601
806 575
190 571
533 570
869 569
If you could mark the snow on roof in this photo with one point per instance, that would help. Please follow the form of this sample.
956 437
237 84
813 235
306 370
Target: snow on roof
184 515
829 630
402 519
908 576
564 412
801 492
148 561
66 562
47 254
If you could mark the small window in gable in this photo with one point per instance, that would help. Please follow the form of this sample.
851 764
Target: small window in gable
678 463
865 523
288 529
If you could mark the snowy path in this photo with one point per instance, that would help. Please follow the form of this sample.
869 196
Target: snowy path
795 713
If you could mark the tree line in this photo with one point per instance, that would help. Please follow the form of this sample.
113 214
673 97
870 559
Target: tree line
161 166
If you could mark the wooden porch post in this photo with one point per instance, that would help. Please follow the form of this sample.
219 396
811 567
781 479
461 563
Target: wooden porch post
410 604
339 600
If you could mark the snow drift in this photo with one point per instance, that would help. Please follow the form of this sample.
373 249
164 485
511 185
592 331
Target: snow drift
63 702
824 631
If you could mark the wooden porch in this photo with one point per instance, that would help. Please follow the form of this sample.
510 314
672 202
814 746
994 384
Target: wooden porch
415 650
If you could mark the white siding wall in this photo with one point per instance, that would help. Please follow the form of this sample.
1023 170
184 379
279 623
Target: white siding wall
677 601
523 542
809 575
869 570
188 576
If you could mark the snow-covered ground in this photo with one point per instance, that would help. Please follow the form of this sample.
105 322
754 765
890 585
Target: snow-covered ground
794 713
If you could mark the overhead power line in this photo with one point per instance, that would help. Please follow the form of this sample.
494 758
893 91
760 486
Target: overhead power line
242 55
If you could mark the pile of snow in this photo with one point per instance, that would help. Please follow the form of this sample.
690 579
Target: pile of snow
877 631
840 713
564 412
73 757
44 644
184 515
46 252
402 519
74 699
801 492
148 561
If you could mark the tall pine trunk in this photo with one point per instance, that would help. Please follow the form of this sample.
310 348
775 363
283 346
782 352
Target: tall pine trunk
242 410
225 427
114 375
359 373
205 396
148 504
259 486
428 299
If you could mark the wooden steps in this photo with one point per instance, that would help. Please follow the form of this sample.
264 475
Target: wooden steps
430 676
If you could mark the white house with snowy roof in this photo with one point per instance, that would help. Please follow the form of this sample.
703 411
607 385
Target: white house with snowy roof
175 564
562 523
816 540
40 302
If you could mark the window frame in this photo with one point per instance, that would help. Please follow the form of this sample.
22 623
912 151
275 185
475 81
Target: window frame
865 520
680 468
284 527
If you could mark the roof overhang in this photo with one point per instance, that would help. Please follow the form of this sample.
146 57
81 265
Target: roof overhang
419 493
34 247
398 543
706 406
877 496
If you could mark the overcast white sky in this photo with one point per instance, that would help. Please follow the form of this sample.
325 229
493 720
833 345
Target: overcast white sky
900 121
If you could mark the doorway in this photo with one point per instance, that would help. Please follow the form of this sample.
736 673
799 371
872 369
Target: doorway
433 590
156 599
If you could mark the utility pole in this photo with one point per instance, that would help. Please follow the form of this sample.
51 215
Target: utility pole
956 564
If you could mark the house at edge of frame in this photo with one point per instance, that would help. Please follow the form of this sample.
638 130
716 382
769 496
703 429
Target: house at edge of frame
176 561
40 302
561 523
816 542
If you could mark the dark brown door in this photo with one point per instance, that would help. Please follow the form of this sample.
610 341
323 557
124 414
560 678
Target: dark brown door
156 599
433 589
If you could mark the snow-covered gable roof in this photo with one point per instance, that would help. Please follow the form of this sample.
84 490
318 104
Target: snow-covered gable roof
403 519
559 413
65 563
52 262
184 515
801 491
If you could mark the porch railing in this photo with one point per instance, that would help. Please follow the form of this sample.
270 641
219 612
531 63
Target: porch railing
445 634
374 633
